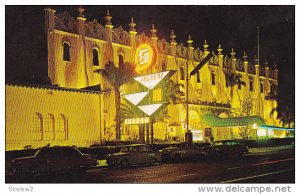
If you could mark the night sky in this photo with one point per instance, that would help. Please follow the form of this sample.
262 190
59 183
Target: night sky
231 26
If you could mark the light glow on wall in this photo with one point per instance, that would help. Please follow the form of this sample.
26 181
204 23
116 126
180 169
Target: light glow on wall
261 132
151 80
150 109
136 97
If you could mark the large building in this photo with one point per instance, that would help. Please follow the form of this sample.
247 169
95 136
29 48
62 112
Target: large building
227 97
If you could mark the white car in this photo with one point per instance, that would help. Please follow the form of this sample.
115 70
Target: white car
183 151
134 154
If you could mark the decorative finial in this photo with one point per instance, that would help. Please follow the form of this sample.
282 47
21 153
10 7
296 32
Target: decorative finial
219 50
266 63
245 56
232 54
275 66
255 60
205 46
108 18
81 11
173 36
132 25
153 31
190 41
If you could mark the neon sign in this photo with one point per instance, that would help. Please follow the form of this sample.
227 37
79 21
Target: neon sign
151 80
145 57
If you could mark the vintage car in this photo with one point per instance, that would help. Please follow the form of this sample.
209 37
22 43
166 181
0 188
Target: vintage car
184 151
228 148
53 159
134 154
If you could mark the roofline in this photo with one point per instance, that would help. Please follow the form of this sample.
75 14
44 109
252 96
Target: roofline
53 88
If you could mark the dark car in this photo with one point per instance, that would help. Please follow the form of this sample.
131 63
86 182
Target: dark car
53 159
134 154
228 148
184 151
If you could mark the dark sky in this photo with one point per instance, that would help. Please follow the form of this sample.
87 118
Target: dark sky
231 26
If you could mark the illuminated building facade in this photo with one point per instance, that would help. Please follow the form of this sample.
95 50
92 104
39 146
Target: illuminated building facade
226 97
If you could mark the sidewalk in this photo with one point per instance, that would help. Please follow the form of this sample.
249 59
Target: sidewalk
270 149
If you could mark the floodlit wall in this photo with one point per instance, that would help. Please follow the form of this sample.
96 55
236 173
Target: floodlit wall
112 42
38 116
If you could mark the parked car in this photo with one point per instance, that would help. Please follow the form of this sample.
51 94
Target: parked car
53 159
184 151
134 154
228 148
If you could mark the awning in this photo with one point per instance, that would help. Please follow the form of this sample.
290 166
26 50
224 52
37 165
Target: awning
215 121
275 128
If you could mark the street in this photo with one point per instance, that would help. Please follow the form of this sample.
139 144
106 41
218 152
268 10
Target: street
270 167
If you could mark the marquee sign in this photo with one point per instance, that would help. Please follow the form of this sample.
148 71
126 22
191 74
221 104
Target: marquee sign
151 80
145 57
150 108
136 97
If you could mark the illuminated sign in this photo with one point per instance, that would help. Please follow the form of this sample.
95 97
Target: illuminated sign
151 80
197 135
136 97
149 109
136 121
261 132
145 57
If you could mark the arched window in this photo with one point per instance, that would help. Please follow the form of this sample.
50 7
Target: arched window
213 82
61 132
49 128
181 73
198 77
66 54
121 59
164 67
95 57
251 85
261 87
37 130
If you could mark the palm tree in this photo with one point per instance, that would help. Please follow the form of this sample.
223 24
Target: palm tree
173 92
234 79
273 94
118 76
284 114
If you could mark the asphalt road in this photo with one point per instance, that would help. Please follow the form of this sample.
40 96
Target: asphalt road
276 167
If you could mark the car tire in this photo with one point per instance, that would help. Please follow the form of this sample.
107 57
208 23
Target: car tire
124 163
152 161
35 171
177 158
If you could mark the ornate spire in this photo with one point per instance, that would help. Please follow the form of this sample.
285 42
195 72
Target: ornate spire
266 63
232 54
190 42
173 36
275 66
219 50
108 18
153 31
132 25
80 11
205 45
245 56
255 59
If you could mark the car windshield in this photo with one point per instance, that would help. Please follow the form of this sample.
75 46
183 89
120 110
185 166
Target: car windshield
128 149
218 143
